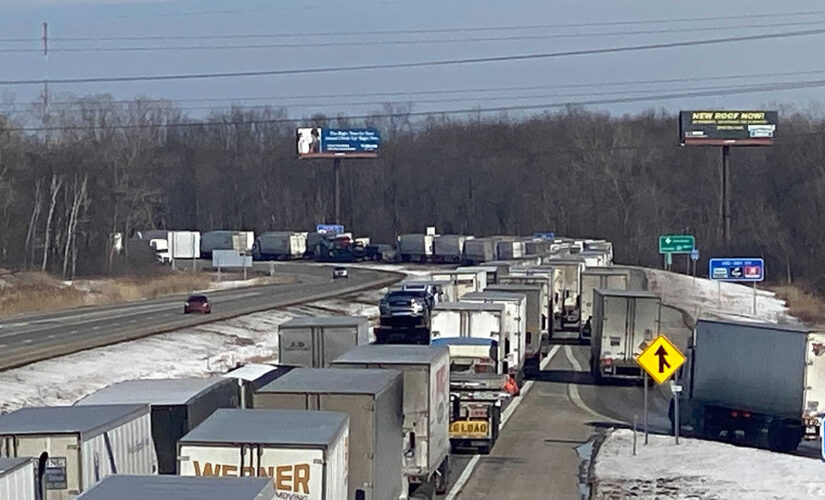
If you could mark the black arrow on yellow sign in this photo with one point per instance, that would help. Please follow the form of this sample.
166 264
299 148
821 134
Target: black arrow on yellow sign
662 353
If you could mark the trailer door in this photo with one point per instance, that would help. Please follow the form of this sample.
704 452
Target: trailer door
645 324
814 396
58 463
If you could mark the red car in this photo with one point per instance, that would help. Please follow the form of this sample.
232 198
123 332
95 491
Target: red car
197 303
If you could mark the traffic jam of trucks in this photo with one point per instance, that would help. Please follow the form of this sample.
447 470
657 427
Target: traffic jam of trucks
354 409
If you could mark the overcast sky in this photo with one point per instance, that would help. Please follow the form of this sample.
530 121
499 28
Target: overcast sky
523 27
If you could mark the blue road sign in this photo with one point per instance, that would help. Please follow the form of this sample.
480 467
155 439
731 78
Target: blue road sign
822 438
329 228
545 236
737 269
694 254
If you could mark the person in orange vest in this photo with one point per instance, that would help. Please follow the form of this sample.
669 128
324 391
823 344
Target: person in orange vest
510 385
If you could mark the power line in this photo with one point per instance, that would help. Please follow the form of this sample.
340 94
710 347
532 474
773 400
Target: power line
444 62
407 93
453 112
428 30
430 41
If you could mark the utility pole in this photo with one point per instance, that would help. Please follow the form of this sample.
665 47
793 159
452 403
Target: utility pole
336 171
724 202
46 80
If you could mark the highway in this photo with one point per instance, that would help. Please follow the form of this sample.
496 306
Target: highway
33 337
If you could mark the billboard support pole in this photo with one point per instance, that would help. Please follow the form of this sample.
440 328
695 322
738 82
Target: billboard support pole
336 172
754 298
725 199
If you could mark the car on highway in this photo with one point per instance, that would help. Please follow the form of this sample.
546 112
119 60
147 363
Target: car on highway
197 303
340 272
407 307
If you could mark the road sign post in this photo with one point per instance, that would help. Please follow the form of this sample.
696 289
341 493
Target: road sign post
659 360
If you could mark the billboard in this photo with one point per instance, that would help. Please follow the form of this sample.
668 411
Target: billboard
338 143
727 128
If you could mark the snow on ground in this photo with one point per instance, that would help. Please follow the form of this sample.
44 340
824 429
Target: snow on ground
719 300
197 351
700 469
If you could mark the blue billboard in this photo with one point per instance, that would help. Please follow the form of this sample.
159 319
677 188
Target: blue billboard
737 269
334 142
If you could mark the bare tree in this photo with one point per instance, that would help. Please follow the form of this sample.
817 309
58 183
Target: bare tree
54 190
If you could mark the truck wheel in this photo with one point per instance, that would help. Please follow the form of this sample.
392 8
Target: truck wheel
442 480
784 438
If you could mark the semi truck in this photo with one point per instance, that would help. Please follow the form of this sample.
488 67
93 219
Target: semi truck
304 453
510 249
756 378
280 245
479 250
545 283
535 326
449 248
80 445
567 291
178 405
624 322
373 399
240 241
416 247
316 341
180 488
426 413
476 320
17 478
465 281
605 278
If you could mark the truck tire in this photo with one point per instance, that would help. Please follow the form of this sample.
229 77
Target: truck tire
442 480
784 438
423 492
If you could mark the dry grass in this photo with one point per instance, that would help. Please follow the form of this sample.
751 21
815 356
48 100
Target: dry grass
26 292
802 304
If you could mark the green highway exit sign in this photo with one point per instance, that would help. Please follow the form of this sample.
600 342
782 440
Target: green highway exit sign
677 243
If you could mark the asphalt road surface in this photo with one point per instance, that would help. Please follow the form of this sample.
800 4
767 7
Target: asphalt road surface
33 337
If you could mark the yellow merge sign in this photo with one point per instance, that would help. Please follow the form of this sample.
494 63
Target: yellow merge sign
660 359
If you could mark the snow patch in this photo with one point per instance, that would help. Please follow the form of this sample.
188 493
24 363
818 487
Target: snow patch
700 469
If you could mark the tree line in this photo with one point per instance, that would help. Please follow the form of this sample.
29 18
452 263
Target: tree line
105 166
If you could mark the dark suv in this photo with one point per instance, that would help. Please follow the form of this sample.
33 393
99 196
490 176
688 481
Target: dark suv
406 308
197 303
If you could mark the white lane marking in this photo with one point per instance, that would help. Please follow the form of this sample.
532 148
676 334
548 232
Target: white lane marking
73 331
573 389
51 336
27 341
458 485
132 321
2 345
96 328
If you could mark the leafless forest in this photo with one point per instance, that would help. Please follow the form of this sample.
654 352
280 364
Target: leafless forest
103 166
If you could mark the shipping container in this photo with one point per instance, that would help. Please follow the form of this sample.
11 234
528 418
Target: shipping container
252 376
761 379
464 281
17 478
184 244
80 445
449 247
473 319
536 305
479 250
624 322
276 245
515 316
178 406
373 399
416 247
121 487
315 341
426 405
240 241
606 278
303 452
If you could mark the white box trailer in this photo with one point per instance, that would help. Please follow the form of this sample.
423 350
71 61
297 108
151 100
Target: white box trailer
178 406
316 341
465 281
449 247
304 453
122 487
595 258
17 478
567 291
81 444
184 244
479 250
515 338
490 271
606 278
426 405
416 247
280 245
373 399
544 280
624 322
536 306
